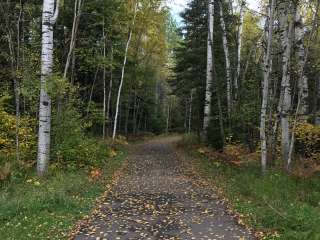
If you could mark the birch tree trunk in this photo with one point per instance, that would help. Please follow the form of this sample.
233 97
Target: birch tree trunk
239 47
286 30
301 55
75 25
227 59
302 106
209 80
266 76
49 17
123 70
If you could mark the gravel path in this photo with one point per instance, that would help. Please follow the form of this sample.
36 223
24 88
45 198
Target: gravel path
156 198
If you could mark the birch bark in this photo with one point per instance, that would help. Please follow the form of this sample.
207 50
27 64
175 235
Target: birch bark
227 59
286 31
49 17
123 70
209 80
239 47
266 77
75 25
301 56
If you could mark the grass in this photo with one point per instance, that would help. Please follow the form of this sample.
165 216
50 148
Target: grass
47 208
287 208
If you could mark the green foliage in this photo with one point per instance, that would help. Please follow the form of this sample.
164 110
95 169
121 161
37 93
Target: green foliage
34 208
8 133
158 123
284 207
72 147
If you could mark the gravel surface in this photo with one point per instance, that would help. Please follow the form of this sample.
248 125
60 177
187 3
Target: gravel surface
157 198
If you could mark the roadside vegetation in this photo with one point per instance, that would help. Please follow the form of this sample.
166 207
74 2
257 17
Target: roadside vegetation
48 208
275 204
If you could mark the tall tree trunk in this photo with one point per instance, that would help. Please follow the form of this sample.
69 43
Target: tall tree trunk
75 25
266 77
110 89
239 47
17 84
104 84
302 106
123 70
49 17
208 96
286 31
301 53
227 59
91 91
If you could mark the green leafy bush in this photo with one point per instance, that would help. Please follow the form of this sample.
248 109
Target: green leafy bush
71 146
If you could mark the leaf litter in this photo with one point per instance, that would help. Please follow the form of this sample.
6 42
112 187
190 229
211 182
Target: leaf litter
156 196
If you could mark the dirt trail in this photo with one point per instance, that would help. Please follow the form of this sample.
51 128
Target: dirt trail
157 199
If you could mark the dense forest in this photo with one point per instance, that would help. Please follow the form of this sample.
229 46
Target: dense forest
80 79
103 73
252 77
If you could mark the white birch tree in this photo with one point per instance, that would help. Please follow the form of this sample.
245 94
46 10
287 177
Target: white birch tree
209 78
239 46
301 54
75 26
286 20
266 78
123 70
49 16
227 59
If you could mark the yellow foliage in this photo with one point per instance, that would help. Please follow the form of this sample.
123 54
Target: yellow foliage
201 151
121 140
8 133
112 153
308 140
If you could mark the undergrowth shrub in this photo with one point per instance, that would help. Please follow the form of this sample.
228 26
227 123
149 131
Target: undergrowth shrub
308 141
8 134
72 147
27 143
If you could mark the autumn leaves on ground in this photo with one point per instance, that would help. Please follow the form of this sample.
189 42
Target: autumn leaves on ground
92 90
163 188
